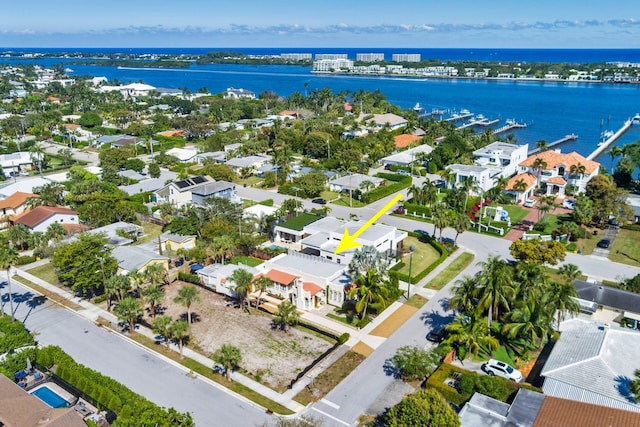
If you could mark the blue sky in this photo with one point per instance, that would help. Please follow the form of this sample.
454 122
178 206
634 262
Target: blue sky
321 23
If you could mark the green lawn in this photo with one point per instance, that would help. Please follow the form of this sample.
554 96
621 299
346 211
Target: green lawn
249 182
423 256
151 232
246 260
329 195
45 272
516 213
344 201
625 248
299 222
451 271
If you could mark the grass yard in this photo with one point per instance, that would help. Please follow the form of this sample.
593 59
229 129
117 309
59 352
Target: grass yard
625 248
330 377
151 232
45 272
246 260
329 195
416 301
251 181
423 256
516 213
452 270
344 201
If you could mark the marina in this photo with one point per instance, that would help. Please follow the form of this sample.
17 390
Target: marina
603 146
510 124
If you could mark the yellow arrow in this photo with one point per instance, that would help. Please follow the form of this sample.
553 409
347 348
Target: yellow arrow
349 242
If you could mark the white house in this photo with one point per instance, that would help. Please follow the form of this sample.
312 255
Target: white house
185 155
39 218
381 120
406 157
195 190
249 162
16 162
557 170
233 93
130 90
353 182
218 277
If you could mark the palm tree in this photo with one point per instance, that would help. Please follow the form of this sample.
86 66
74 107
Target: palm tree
117 286
261 284
530 281
180 332
228 356
162 326
542 145
38 156
368 257
463 294
187 295
369 289
569 272
8 256
539 165
155 295
154 274
546 204
563 298
138 278
578 170
415 192
429 193
287 315
447 175
460 222
614 152
242 285
495 285
519 186
366 185
469 335
469 185
440 218
55 231
129 310
530 322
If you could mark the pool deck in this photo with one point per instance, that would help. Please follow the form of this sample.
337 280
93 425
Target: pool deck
70 398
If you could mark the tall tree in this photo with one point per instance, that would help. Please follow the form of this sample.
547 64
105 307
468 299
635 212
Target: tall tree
8 256
162 326
369 289
495 285
562 297
129 310
180 332
228 356
154 295
261 284
424 408
242 285
187 295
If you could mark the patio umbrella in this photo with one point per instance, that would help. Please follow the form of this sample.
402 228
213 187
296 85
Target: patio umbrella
29 367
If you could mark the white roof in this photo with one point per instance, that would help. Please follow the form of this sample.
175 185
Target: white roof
183 154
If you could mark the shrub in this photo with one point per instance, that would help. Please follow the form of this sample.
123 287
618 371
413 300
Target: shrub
343 338
190 278
25 259
268 202
99 299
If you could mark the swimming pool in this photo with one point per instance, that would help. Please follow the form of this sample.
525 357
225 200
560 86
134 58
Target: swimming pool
50 397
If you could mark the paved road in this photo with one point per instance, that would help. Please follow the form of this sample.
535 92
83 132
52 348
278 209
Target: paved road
139 369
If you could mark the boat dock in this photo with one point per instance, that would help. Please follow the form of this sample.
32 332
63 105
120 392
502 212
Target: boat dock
510 124
459 116
566 138
478 122
605 145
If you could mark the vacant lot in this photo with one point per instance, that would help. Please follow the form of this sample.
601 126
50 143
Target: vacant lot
269 355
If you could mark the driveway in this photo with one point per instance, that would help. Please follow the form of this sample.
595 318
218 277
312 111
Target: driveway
610 234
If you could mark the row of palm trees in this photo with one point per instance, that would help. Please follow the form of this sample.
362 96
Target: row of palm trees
520 298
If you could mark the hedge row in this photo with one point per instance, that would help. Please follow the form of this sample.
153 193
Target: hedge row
422 274
400 182
189 278
420 210
131 408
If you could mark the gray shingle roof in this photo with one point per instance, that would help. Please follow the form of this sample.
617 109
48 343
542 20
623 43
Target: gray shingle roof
608 296
132 258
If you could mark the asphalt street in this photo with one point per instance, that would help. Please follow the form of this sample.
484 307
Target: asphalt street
141 370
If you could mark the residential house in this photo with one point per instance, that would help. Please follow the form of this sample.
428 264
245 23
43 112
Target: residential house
525 192
393 121
496 160
407 157
18 408
250 163
14 163
13 205
136 258
233 93
593 362
307 281
322 238
39 218
292 230
131 90
218 277
117 141
556 170
353 182
404 140
194 190
184 155
117 234
608 304
216 156
532 409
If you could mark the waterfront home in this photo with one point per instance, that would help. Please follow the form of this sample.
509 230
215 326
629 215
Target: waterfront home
521 186
496 160
593 362
131 90
195 190
239 93
353 182
407 157
393 121
39 218
136 258
556 170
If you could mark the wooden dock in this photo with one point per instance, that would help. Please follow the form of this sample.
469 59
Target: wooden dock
571 137
605 145
510 126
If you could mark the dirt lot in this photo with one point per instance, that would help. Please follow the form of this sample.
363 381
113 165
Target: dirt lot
270 355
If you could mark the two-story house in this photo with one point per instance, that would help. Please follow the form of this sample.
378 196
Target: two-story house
195 190
496 160
556 171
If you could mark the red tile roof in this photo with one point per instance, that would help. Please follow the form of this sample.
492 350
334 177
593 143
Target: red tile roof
281 277
554 159
16 200
311 287
41 213
557 180
527 177
404 140
569 413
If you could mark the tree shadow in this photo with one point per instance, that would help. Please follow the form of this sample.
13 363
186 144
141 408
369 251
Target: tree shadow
623 386
435 319
34 303
390 369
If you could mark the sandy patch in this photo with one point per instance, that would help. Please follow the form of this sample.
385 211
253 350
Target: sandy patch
362 348
394 321
269 355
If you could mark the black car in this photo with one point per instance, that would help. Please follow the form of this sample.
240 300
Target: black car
604 243
437 335
319 201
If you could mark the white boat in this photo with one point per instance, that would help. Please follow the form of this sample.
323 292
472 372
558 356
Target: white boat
604 136
418 108
68 70
635 120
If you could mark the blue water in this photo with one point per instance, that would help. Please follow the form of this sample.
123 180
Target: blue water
50 397
551 109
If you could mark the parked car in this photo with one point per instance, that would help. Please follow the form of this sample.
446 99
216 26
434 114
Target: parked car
569 204
501 369
604 243
614 222
437 335
319 201
529 203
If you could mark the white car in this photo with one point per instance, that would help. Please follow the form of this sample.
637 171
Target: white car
529 203
501 369
568 204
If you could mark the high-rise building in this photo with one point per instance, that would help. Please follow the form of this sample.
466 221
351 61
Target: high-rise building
405 57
